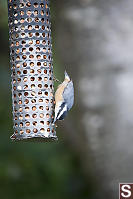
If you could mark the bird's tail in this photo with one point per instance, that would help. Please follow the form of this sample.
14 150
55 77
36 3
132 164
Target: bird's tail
66 75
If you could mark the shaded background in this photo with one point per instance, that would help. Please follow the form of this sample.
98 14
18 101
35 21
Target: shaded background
93 40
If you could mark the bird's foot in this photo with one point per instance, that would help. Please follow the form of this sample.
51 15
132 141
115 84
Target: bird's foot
56 80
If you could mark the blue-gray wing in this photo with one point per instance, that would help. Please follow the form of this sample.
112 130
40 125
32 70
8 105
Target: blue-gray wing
68 95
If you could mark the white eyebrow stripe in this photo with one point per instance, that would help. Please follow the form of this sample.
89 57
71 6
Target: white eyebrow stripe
62 111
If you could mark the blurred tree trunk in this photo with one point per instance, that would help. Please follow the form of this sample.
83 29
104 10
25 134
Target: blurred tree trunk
94 40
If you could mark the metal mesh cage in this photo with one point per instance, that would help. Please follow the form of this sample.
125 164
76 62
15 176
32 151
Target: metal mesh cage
32 69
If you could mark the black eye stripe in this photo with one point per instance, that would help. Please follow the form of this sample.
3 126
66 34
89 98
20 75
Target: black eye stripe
61 108
63 115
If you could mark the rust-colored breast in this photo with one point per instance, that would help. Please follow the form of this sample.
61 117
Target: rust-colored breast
59 92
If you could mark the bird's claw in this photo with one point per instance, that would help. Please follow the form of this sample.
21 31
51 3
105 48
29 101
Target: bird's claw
56 80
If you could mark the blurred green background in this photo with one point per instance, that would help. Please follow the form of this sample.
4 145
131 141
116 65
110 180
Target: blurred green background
93 41
33 170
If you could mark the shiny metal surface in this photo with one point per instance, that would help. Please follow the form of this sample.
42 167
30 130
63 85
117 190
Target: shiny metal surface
32 69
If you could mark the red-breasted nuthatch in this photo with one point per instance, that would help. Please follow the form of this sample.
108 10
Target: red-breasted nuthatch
64 98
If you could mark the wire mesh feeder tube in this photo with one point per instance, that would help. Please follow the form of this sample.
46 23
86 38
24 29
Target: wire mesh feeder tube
32 69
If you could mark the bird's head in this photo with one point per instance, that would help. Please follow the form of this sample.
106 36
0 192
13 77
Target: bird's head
67 77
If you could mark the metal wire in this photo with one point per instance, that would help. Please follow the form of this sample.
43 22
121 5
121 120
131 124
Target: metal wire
32 69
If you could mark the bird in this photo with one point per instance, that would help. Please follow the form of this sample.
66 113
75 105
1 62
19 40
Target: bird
64 98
